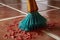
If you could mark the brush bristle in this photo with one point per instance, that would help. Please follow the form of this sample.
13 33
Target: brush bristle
32 21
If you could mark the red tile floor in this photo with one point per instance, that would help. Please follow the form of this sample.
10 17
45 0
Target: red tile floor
9 15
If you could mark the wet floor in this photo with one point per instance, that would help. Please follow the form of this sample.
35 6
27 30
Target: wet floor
45 9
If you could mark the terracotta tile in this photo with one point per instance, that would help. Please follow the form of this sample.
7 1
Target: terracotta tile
54 3
43 37
53 16
7 12
55 31
10 1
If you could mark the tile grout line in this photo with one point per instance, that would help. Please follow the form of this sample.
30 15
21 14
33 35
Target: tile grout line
51 6
54 7
16 10
25 15
22 2
24 12
52 35
47 10
11 18
20 10
14 17
13 8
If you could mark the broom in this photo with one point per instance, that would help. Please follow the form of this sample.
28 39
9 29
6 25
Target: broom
33 20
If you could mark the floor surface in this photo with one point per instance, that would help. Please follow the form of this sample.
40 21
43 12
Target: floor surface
50 9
